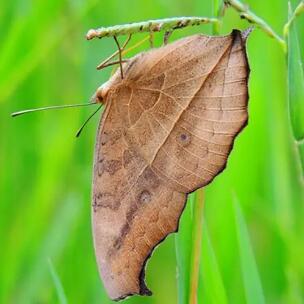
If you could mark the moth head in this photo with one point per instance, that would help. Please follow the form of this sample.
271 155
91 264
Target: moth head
101 93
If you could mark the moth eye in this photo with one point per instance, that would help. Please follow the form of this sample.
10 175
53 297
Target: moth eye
99 96
102 92
99 99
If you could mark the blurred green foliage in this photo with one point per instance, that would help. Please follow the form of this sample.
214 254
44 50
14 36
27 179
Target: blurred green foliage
45 178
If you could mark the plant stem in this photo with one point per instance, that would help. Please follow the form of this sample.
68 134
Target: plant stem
298 11
252 18
198 216
219 8
149 26
295 74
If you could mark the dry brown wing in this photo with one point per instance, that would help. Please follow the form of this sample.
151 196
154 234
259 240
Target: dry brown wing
183 119
168 129
133 210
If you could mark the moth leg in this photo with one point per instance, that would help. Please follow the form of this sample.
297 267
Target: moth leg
120 57
113 63
167 36
106 63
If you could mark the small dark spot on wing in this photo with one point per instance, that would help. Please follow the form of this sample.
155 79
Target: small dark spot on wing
145 197
184 138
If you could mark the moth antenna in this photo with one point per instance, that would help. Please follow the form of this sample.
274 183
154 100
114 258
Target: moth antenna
104 63
120 57
167 35
51 108
87 120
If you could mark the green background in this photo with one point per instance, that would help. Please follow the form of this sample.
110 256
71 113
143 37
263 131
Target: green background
45 173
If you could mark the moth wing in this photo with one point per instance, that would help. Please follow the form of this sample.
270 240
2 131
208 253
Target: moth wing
188 102
167 130
133 210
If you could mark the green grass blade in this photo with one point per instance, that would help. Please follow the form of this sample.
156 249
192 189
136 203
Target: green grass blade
300 145
195 259
252 283
210 277
183 245
296 88
292 16
217 11
188 248
58 285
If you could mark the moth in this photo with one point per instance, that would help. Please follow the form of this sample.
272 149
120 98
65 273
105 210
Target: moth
167 129
170 120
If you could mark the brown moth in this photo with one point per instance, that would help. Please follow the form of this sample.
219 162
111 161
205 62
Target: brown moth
167 130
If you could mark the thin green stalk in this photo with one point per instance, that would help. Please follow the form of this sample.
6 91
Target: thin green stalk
253 18
298 11
196 246
211 282
251 278
168 24
218 11
296 88
183 241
